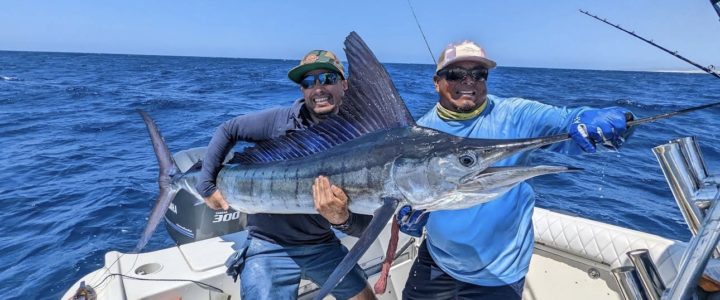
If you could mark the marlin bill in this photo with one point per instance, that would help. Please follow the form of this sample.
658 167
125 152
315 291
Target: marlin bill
371 148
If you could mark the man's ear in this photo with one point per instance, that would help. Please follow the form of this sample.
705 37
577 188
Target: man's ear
436 80
345 85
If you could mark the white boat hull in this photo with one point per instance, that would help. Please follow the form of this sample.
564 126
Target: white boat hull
572 260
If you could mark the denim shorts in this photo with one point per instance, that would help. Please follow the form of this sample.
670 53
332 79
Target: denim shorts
427 281
273 272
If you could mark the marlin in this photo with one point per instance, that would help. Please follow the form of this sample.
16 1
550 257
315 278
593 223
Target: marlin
372 148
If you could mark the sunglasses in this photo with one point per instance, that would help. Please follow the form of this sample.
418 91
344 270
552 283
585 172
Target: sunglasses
457 74
323 78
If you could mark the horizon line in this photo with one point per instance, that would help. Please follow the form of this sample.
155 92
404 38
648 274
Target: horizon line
659 70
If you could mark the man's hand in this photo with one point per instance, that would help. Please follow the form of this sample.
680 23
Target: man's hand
216 201
330 201
607 126
412 221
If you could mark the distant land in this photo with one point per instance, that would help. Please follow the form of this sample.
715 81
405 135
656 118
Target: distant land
695 71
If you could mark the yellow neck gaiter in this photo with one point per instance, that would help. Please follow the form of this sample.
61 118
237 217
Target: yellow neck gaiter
449 115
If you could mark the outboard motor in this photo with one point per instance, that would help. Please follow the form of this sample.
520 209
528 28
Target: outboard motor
188 220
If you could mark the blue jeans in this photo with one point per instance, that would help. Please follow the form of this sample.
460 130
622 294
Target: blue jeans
273 272
427 281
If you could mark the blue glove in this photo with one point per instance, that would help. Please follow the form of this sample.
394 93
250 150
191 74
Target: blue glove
607 126
412 221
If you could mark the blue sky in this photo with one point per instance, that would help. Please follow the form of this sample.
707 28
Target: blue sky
519 33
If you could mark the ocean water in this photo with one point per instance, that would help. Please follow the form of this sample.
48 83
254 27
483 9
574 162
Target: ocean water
79 174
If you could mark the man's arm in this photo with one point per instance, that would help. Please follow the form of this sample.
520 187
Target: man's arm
537 119
251 128
604 125
332 203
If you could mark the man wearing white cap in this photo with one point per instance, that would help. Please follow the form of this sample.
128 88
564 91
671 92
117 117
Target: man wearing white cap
483 252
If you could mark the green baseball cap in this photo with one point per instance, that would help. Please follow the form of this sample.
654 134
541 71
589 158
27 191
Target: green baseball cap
316 59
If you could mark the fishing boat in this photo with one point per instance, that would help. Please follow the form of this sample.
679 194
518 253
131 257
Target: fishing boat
573 258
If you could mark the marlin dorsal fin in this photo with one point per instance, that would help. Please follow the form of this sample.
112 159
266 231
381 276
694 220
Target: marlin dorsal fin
371 104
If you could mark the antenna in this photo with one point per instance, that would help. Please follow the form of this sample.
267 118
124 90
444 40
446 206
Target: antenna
423 33
710 69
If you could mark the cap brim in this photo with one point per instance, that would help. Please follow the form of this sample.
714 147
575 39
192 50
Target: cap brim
489 64
297 73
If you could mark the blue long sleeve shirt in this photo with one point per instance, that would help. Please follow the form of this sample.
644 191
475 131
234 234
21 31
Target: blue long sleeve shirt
491 244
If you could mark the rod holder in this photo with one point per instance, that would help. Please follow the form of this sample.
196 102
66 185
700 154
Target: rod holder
693 188
682 182
696 256
697 195
629 283
649 276
693 158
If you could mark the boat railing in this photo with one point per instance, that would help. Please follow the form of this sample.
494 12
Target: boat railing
696 192
685 172
650 280
629 282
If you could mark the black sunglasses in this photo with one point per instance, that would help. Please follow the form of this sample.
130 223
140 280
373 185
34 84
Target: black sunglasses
323 78
457 74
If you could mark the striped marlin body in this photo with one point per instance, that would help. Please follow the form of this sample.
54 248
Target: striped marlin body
424 168
372 149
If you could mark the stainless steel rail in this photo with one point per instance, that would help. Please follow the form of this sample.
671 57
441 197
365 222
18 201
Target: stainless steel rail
693 158
681 181
696 193
649 276
629 282
696 257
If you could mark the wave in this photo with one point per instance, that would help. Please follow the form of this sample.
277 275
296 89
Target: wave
161 103
628 102
81 91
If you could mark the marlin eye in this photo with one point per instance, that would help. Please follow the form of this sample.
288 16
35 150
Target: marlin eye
467 160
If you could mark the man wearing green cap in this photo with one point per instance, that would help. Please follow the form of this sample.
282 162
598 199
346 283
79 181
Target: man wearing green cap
284 248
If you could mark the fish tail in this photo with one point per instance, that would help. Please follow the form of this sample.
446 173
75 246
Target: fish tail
168 170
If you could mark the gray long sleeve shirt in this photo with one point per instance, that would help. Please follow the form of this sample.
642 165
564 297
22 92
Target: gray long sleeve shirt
283 229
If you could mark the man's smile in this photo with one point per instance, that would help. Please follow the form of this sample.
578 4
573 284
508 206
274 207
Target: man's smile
322 100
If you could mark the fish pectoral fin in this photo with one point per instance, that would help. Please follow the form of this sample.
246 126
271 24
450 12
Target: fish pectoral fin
380 218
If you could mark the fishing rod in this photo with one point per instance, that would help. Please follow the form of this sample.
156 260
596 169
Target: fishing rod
709 70
423 33
716 6
670 114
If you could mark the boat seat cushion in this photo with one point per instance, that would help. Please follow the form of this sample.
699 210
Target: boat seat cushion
605 243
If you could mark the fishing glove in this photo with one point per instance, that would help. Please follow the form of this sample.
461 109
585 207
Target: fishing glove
607 126
412 221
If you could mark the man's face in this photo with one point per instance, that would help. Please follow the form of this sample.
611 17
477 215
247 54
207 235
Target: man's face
461 93
323 98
